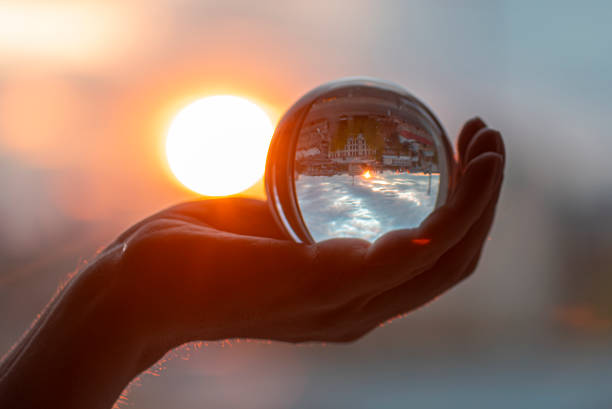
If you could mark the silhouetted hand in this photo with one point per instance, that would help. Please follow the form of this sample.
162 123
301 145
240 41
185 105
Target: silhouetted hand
216 269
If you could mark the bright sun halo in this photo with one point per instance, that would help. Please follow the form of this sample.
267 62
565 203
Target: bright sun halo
217 145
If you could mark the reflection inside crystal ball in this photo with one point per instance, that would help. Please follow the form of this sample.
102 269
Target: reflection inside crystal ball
368 158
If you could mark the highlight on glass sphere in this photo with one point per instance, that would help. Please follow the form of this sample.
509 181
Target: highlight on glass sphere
357 158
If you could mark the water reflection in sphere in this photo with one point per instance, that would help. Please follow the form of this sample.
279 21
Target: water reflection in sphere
363 157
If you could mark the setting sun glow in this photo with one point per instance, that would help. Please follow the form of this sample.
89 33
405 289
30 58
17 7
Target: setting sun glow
217 146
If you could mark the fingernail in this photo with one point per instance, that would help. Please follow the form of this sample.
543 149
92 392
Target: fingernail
495 168
488 165
481 174
499 145
499 166
478 119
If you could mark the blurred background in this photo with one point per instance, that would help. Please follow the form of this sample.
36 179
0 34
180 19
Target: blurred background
87 90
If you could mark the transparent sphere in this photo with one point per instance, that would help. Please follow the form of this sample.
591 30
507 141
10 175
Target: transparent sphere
357 157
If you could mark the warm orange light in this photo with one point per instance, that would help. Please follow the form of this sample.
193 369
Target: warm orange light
421 242
217 146
73 32
367 174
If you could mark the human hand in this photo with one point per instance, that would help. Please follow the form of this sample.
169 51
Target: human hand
221 268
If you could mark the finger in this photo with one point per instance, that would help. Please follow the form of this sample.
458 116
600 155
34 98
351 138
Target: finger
485 140
479 186
411 296
404 250
465 136
450 264
452 268
168 213
427 286
237 215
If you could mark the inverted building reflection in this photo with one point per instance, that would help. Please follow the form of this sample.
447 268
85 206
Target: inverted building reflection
364 165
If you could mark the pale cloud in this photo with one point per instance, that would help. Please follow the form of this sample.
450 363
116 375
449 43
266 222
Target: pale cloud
70 35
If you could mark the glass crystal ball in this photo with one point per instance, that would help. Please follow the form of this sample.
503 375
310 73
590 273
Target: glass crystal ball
357 157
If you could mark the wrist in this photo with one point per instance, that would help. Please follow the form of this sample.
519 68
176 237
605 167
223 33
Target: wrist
110 312
82 353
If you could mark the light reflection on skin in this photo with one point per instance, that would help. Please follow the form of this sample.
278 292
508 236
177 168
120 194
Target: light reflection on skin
332 206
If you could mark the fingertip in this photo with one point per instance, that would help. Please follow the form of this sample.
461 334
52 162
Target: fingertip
477 120
483 163
470 128
481 176
485 140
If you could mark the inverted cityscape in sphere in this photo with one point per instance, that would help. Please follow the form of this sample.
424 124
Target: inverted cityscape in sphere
366 163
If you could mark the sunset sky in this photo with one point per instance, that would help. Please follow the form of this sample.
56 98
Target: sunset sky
88 90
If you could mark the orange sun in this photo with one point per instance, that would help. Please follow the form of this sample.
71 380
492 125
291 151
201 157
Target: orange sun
217 146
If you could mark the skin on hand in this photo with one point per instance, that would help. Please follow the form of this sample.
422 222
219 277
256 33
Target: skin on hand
221 268
217 269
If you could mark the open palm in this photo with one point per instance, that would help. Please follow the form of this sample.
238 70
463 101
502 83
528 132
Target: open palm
222 268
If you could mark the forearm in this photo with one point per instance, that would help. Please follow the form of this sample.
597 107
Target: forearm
80 354
16 350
